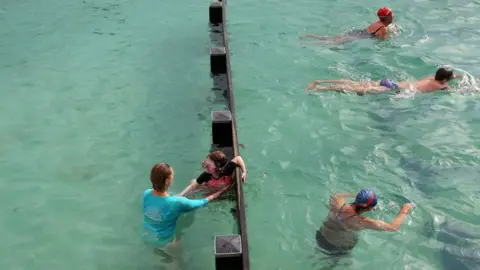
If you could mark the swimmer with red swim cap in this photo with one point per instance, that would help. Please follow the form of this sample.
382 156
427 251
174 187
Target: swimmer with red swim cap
376 30
337 236
379 28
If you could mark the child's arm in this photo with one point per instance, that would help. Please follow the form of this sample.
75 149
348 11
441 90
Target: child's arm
239 161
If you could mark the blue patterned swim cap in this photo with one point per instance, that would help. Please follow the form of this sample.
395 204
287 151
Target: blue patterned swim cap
366 198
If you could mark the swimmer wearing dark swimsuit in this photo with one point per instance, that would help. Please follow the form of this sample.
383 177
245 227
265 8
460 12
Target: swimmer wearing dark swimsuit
363 33
336 225
385 16
390 84
342 236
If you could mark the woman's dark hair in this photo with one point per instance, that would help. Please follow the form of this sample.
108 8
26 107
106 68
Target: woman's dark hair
159 175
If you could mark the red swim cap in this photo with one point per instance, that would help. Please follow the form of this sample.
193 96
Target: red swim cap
384 12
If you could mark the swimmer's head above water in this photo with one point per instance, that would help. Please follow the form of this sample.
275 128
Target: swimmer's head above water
161 176
214 161
444 75
385 15
365 201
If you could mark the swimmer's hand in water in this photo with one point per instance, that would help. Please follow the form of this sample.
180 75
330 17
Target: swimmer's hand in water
394 29
407 207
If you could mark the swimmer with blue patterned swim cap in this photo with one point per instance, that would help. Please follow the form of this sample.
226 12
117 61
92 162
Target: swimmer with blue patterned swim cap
338 234
427 84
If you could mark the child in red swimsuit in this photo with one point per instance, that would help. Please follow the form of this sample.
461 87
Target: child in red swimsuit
218 173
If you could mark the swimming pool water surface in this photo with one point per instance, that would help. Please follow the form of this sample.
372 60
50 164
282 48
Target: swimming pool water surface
95 92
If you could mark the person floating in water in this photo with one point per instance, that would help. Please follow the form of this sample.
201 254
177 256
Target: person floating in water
337 236
218 173
161 210
378 29
427 84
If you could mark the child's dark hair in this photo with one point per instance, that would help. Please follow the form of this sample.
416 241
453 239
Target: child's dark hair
159 175
218 158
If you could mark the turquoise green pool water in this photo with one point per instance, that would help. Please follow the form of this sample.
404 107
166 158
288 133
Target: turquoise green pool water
412 147
95 92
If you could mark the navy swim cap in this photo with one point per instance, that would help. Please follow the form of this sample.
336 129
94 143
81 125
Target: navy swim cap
366 198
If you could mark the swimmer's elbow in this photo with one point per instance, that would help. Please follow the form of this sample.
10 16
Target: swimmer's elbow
385 35
237 159
379 225
391 229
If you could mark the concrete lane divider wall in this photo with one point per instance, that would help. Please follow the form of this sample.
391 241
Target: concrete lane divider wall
231 251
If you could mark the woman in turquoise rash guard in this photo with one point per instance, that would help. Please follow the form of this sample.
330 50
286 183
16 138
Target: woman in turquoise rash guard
161 210
338 235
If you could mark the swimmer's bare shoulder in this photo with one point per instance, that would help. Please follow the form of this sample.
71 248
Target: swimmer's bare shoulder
383 33
338 199
430 85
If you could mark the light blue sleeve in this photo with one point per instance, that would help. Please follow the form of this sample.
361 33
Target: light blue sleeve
145 194
186 205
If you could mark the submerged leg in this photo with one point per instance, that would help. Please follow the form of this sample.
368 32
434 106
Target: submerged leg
334 253
333 87
342 81
313 84
339 87
346 86
171 255
317 37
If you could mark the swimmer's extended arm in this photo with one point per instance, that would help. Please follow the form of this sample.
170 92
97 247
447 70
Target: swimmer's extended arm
393 226
187 205
202 178
218 193
380 225
193 185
